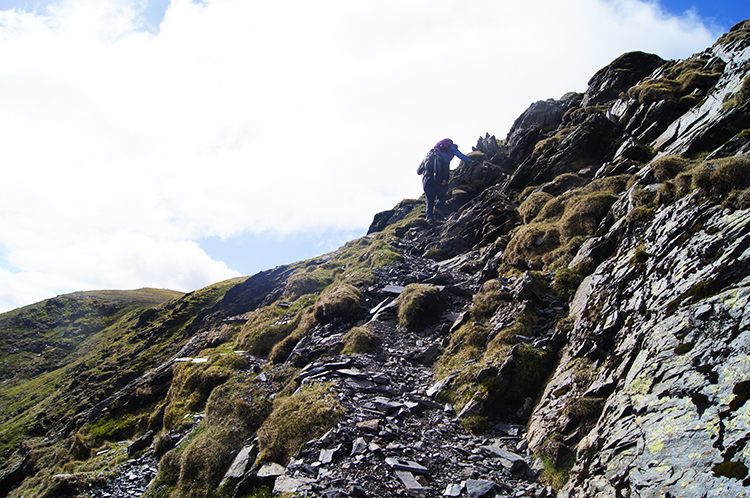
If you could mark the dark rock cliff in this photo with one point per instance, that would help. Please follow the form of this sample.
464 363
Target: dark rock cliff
575 324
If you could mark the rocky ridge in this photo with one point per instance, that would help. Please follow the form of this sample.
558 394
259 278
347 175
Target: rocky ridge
582 327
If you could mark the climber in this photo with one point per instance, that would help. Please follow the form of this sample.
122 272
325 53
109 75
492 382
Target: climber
436 172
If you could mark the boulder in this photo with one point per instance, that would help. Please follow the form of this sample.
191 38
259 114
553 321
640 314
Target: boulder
622 73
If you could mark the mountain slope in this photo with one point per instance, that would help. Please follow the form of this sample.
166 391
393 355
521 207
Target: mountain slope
575 325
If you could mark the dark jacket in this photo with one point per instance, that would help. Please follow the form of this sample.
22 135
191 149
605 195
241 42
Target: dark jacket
438 164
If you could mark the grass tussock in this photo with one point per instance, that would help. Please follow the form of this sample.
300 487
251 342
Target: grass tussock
584 216
529 372
566 283
269 325
550 144
737 200
739 31
196 468
531 206
583 410
340 301
529 243
488 299
300 284
234 412
419 305
556 226
726 180
467 345
193 383
117 427
667 167
282 349
238 403
360 340
679 83
475 350
729 174
554 477
297 419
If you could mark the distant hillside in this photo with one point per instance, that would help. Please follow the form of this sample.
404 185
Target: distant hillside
574 324
61 356
40 337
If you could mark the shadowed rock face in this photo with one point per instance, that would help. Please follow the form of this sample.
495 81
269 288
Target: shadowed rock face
623 73
586 331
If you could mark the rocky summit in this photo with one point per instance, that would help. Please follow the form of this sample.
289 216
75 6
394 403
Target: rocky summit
575 323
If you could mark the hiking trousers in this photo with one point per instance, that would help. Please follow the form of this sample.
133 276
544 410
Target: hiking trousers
435 194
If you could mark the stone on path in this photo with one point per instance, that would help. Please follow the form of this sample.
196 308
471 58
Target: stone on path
287 484
408 465
413 487
477 488
453 490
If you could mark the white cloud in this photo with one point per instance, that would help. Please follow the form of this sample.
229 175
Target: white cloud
118 259
120 146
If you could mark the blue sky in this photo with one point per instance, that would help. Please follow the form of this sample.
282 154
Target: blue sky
176 144
724 13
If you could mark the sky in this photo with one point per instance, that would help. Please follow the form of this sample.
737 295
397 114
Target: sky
175 144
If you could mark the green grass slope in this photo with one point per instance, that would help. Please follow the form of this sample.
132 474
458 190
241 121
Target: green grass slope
61 357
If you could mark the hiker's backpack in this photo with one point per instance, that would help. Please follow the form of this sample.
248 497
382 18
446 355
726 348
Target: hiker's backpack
444 145
426 167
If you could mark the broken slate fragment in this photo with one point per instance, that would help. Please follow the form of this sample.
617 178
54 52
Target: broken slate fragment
412 406
453 490
408 465
438 387
508 429
142 443
477 488
385 311
393 289
240 462
369 425
271 469
310 373
327 455
379 378
383 405
427 355
473 406
338 365
352 372
379 306
412 486
355 383
359 446
511 461
287 484
425 404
